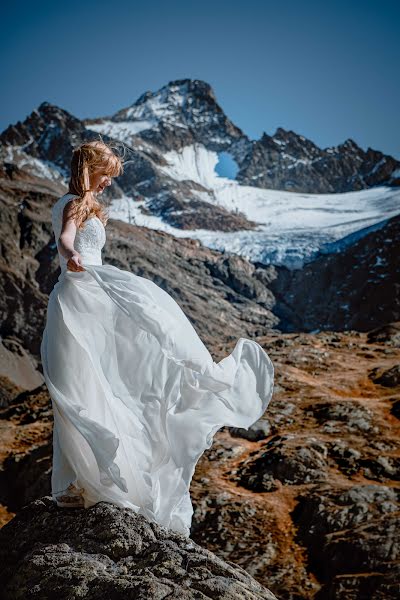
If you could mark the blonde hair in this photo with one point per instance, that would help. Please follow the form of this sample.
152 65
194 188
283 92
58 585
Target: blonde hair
88 158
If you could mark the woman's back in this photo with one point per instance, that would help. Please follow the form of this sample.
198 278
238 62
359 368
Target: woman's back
88 242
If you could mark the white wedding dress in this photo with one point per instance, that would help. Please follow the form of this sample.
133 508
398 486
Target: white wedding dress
136 395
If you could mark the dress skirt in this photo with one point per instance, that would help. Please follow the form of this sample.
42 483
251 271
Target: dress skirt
136 395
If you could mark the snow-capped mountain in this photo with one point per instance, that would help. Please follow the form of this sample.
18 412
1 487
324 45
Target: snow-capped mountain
179 114
289 161
186 111
191 172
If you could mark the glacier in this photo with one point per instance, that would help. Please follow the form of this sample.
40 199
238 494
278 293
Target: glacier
293 228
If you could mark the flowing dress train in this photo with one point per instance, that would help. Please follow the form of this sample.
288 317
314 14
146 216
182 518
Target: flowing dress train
136 395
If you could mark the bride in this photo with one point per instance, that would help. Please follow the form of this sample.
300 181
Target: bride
136 395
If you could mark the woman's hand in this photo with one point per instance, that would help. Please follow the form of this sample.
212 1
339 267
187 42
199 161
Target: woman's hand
75 262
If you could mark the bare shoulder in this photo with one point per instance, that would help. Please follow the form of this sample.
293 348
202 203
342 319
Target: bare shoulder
69 211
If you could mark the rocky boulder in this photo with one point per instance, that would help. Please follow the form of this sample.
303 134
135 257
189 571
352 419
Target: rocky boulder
352 535
109 552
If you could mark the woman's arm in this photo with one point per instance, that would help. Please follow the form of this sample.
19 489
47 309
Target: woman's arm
65 242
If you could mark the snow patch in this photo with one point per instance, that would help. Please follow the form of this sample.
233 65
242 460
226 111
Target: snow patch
122 130
43 169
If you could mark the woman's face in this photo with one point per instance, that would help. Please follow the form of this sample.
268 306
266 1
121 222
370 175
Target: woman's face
99 180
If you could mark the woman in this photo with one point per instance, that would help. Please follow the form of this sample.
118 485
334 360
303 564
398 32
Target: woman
136 395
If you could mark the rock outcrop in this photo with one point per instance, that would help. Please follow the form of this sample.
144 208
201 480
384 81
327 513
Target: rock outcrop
353 538
107 552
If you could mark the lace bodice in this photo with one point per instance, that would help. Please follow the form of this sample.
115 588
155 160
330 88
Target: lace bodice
88 242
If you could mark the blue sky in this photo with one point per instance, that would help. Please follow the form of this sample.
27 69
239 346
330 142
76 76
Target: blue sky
326 70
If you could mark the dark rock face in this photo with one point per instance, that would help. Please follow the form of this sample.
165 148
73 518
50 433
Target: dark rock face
388 333
177 211
109 552
356 288
389 377
293 461
48 134
353 540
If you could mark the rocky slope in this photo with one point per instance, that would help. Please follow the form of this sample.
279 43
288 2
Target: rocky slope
307 501
288 161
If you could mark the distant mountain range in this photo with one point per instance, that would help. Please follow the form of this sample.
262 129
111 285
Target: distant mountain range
191 172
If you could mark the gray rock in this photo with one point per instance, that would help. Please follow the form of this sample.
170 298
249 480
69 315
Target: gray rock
258 431
287 459
388 334
387 378
111 553
352 537
353 415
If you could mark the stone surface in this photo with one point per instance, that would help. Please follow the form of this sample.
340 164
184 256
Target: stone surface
353 540
112 553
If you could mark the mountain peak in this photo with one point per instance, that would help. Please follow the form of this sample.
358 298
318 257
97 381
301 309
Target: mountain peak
180 88
351 145
170 101
184 108
46 105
